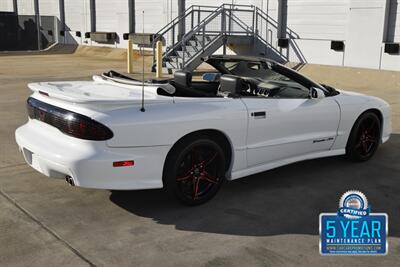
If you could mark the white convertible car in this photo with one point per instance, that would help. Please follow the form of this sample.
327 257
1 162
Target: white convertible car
249 116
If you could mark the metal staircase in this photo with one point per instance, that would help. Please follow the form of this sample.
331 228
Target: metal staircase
202 30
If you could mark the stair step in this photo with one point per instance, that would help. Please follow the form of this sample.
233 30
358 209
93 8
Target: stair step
190 48
208 38
175 59
171 65
176 62
194 43
199 38
179 53
188 54
192 52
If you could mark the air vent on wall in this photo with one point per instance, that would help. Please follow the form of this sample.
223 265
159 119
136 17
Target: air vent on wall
337 46
62 33
283 42
392 48
78 34
125 36
103 37
87 34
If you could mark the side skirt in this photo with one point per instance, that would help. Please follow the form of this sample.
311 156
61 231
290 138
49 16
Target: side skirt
272 165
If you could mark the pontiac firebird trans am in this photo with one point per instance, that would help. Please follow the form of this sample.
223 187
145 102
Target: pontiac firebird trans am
247 116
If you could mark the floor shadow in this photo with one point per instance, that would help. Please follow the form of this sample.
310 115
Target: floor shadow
56 49
287 200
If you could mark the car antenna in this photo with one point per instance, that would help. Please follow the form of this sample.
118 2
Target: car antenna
142 48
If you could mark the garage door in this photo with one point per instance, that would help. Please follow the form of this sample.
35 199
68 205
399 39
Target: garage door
365 33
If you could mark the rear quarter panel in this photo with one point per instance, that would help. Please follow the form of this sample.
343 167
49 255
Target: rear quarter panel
165 124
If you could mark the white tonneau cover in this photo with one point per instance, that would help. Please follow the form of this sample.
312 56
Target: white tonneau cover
101 91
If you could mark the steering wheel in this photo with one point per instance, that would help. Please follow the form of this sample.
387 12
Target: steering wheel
276 91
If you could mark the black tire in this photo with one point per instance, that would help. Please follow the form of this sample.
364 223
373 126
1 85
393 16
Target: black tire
194 170
364 138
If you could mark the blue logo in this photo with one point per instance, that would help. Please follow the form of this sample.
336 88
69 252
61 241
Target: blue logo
353 230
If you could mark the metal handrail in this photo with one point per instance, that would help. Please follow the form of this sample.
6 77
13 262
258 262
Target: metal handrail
245 27
268 19
195 30
227 12
185 13
198 28
204 22
171 25
236 19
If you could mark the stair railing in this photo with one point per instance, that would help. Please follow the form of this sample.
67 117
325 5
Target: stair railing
170 28
225 14
196 29
230 15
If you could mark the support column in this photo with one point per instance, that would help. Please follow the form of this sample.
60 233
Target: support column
37 22
282 18
387 35
181 25
15 7
132 16
62 14
92 15
62 21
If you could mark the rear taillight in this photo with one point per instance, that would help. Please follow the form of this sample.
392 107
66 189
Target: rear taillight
68 122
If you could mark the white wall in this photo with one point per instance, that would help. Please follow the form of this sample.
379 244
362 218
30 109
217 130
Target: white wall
77 15
6 5
155 16
77 18
318 19
112 16
49 8
314 23
365 33
26 7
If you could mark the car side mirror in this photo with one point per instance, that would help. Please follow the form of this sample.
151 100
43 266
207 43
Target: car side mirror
316 93
211 77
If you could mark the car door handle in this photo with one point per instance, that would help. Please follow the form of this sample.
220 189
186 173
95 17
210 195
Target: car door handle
259 114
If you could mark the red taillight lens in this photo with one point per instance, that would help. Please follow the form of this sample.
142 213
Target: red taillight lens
68 122
125 163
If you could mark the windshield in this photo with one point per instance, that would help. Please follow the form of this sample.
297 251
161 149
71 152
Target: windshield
266 72
267 78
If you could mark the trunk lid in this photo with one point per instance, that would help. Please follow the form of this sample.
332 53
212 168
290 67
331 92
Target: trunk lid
99 92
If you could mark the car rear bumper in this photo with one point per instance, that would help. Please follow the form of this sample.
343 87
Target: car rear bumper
89 163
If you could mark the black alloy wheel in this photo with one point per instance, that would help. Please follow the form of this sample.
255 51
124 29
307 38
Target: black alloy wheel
364 138
195 171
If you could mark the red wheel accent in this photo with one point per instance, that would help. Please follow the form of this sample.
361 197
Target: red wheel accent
368 137
198 171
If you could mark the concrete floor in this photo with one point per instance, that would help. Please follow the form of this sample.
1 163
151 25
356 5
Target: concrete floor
268 219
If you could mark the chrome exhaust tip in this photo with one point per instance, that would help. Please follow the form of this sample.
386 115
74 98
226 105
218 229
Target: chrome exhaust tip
69 180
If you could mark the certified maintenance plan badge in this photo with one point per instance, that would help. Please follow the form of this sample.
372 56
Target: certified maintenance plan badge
353 230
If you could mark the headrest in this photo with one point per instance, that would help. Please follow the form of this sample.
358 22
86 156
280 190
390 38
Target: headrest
183 78
230 85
